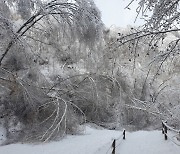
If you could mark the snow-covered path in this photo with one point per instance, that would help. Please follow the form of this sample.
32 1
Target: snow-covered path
98 141
147 142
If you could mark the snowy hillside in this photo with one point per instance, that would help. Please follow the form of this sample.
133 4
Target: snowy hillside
98 141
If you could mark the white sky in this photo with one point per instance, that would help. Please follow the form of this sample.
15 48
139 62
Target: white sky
113 12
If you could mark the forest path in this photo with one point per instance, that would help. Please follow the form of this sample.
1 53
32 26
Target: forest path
147 142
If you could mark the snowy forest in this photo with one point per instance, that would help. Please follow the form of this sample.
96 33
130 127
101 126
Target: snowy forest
61 67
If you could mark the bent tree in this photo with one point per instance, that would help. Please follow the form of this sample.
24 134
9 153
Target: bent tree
81 17
28 28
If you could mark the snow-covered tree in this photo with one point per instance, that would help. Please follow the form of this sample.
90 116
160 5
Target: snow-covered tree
30 30
161 35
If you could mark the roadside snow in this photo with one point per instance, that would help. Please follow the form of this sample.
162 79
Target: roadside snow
98 141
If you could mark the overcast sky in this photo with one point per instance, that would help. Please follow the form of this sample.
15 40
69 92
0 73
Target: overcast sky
113 12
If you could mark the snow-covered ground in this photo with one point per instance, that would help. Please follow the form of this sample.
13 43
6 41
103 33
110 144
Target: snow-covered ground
98 141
